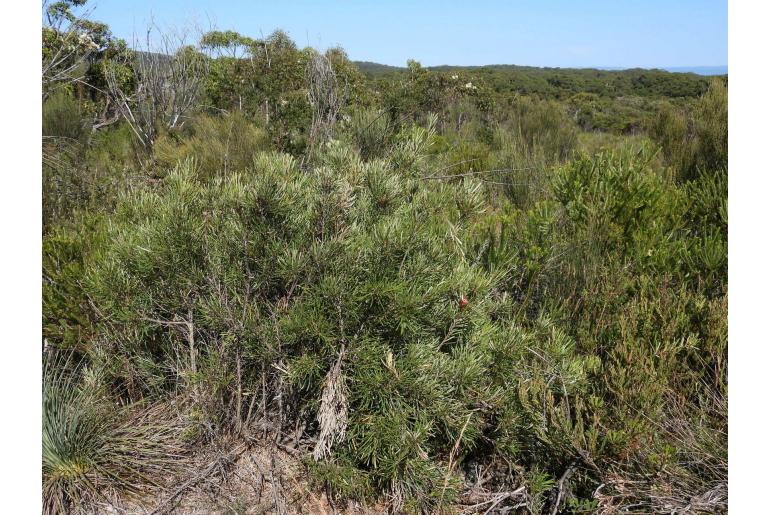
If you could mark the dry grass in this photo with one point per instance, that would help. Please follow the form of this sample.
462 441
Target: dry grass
94 452
333 414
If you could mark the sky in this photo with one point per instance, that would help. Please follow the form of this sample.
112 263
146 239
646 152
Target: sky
563 33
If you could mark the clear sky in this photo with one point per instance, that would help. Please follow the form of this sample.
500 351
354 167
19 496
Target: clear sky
566 33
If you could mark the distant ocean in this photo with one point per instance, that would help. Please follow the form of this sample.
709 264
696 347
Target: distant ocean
700 70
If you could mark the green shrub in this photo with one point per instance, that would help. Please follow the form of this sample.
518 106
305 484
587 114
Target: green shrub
283 269
80 178
422 306
611 196
371 131
220 144
711 127
67 314
413 327
113 152
67 185
694 141
544 125
535 136
621 115
63 118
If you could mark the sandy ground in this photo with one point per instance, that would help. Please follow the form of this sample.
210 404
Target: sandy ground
232 477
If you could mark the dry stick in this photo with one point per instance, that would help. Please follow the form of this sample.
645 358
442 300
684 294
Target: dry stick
279 498
452 456
497 170
448 167
496 498
253 403
191 340
498 501
264 402
261 478
279 392
169 504
289 449
298 430
560 492
507 183
239 394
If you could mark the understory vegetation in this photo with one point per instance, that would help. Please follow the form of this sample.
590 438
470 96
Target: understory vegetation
445 291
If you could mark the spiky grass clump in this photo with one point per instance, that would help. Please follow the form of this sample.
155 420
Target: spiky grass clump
93 450
371 131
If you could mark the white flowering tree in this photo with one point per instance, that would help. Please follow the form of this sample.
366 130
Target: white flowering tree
67 43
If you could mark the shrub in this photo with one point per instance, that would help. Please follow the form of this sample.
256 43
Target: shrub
289 272
371 132
66 185
711 127
694 141
523 169
651 313
219 144
417 328
534 136
63 118
612 196
544 125
112 151
87 175
67 315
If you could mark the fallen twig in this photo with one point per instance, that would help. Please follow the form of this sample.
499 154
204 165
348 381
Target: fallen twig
560 487
466 174
167 505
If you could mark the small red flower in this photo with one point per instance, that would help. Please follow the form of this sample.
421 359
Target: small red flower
463 301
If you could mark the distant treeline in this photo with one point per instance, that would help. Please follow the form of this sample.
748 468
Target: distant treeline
564 82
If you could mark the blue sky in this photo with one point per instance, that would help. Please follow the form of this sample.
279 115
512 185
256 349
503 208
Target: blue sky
618 33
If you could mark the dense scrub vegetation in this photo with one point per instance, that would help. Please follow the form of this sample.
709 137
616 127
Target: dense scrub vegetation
564 82
449 291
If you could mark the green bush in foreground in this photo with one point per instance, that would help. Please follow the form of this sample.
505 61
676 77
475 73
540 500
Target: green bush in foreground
413 330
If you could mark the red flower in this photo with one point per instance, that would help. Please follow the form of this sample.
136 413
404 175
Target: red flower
463 301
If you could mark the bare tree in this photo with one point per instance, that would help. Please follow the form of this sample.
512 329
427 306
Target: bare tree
323 96
168 78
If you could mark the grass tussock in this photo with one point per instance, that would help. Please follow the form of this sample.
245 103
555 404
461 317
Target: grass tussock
93 450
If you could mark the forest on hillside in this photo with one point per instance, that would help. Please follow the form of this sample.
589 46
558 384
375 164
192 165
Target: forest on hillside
275 281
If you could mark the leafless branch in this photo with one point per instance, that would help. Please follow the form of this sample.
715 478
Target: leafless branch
169 77
471 173
323 96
